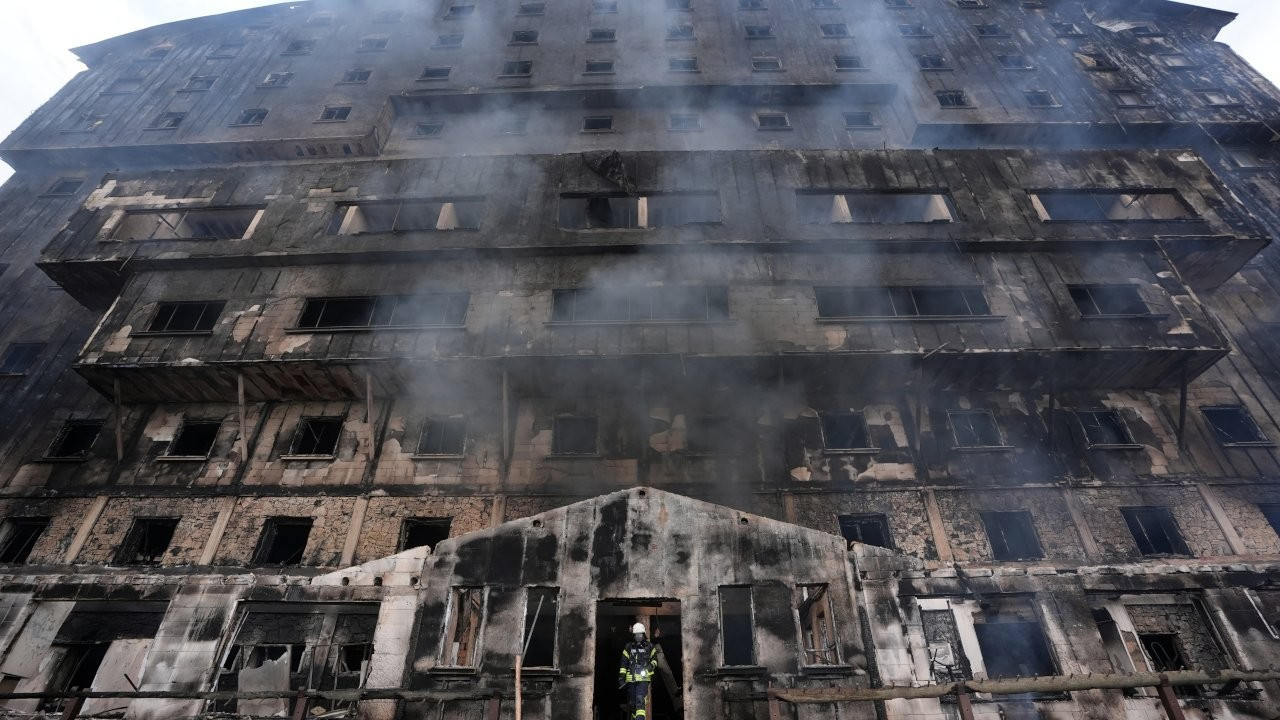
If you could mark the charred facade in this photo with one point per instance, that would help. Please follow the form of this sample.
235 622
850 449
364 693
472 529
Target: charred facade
855 347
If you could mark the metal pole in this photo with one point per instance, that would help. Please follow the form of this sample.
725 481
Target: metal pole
73 709
1169 699
963 704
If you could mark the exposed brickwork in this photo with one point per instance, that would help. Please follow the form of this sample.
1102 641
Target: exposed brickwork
324 544
1201 533
65 519
381 531
961 514
1188 624
189 538
907 520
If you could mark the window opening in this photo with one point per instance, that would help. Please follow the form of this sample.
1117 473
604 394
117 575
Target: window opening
597 123
194 439
428 129
736 626
1014 649
656 304
185 317
679 32
447 213
1109 205
387 311
539 631
283 542
535 8
868 528
75 440
574 436
20 536
712 435
845 431
356 77
602 35
1155 531
683 64
1012 536
524 37
372 44
462 635
759 31
836 303
317 436
773 121
517 68
1271 511
424 532
813 606
449 40
276 79
952 98
598 67
974 428
440 72
1104 428
76 670
932 62
442 436
197 83
616 211
19 358
947 661
147 541
168 120
193 224
335 113
848 62
1108 300
1040 98
766 63
299 47
1013 62
685 121
859 119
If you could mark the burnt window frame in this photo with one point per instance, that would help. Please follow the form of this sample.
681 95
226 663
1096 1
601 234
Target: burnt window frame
870 123
278 79
209 313
683 64
1173 61
713 299
406 528
335 114
598 67
303 428
1119 97
1259 438
845 62
302 46
199 83
602 35
250 117
62 437
382 311
62 187
516 69
355 76
757 32
457 594
168 120
191 423
558 436
550 643
1001 443
834 31
452 425
271 527
205 217
859 418
750 625
813 594
1086 297
1041 99
137 536
435 73
1045 646
524 36
631 216
1206 96
597 124
1120 424
346 213
1044 215
1008 61
21 554
1101 61
1000 526
773 115
953 99
905 302
854 523
1136 519
20 357
766 63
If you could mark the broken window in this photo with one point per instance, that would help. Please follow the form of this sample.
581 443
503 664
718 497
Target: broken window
1216 98
1013 61
532 8
952 99
317 437
195 224
1041 98
1176 636
947 661
1176 61
424 532
65 186
859 119
194 439
168 120
446 213
442 436
428 129
990 30
356 77
1066 29
647 304
766 63
619 211
283 541
19 536
198 83
1096 61
604 6
124 85
299 47
227 50
1271 511
175 318
539 634
602 35
462 627
834 30
19 358
1154 530
1014 648
436 72
913 30
74 440
386 311
679 32
848 62
845 431
712 435
867 528
822 208
147 541
1109 205
524 37
772 121
75 670
517 68
598 67
759 31
276 79
596 123
974 428
1012 535
1104 428
836 303
1129 98
575 436
448 40
1108 300
682 64
335 113
932 62
373 43
817 625
737 626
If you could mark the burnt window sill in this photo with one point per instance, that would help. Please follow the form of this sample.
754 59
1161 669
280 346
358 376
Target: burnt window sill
1249 444
850 451
1140 221
182 458
328 122
160 128
415 230
826 670
983 448
1141 316
174 333
367 328
308 457
775 129
742 670
12 374
913 318
541 672
437 456
453 670
591 323
574 456
47 459
1117 446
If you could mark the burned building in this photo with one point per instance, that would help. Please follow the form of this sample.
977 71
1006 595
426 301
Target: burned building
887 359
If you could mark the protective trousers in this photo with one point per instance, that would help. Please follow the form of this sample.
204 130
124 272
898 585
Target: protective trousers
637 692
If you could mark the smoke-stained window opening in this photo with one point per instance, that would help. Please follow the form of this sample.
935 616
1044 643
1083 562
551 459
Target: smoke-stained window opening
416 532
299 47
598 67
752 5
820 645
618 211
1104 429
990 30
1014 61
18 537
1234 426
947 660
199 83
1041 99
833 30
335 113
772 121
640 304
276 80
373 43
524 37
932 62
1013 646
596 123
462 627
184 318
681 5
952 99
680 32
355 77
1066 29
1271 511
123 86
428 129
531 8
1155 531
575 436
1109 205
435 72
866 528
194 439
76 668
1129 98
713 435
1176 61
226 51
1250 157
209 223
157 52
1096 61
914 30
19 357
147 541
900 302
682 64
167 121
64 186
1104 301
448 40
250 116
1217 98
410 215
755 32
766 63
1173 634
974 429
602 35
283 541
316 437
604 7
385 311
859 120
898 4
516 68
737 626
684 121
1012 536
971 4
459 11
848 62
541 612
75 440
444 437
845 431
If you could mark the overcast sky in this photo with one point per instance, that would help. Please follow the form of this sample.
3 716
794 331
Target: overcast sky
36 36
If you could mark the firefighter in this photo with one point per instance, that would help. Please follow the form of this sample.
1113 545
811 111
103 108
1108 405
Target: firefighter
639 662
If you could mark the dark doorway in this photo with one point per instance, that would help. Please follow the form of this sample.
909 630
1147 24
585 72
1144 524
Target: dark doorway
614 619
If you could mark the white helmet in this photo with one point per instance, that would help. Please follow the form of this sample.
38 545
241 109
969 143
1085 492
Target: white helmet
637 629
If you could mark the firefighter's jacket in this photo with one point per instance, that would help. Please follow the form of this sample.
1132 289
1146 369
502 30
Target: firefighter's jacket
639 661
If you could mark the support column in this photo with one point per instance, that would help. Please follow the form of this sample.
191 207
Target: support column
119 422
940 540
226 506
86 528
243 441
353 531
1220 516
1169 700
498 511
1090 544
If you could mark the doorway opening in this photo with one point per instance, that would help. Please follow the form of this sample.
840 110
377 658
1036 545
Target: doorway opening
614 619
